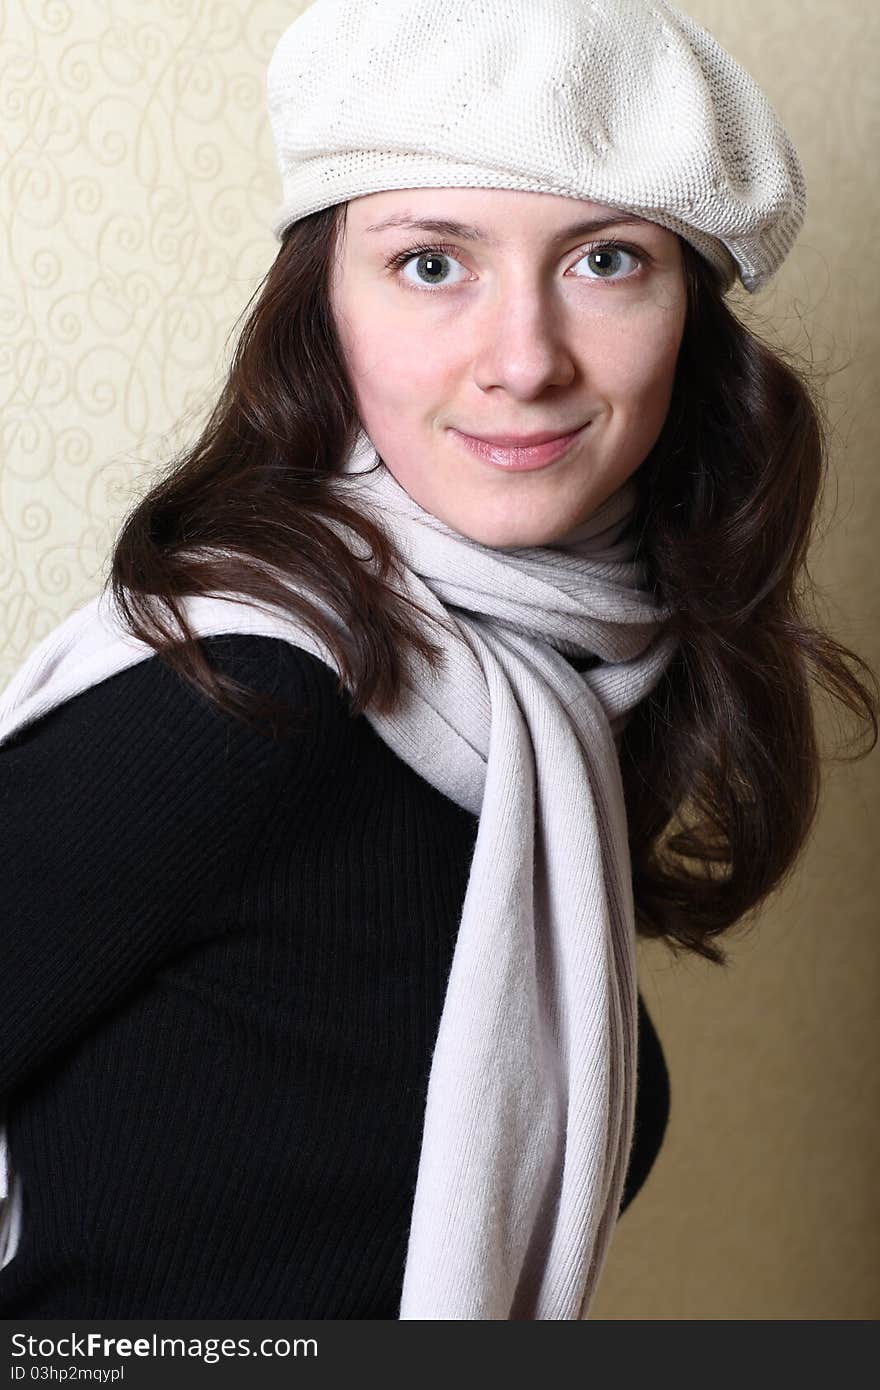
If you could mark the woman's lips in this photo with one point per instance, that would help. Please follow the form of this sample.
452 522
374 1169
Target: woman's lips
519 459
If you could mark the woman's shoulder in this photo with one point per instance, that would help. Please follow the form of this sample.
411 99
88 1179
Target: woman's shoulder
142 771
129 815
146 731
276 666
150 695
250 655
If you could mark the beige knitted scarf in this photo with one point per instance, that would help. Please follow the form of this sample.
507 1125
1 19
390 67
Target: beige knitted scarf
531 1096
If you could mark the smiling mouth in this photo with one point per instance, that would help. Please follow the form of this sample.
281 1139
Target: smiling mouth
524 441
520 458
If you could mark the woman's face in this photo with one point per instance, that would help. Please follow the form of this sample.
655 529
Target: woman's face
513 325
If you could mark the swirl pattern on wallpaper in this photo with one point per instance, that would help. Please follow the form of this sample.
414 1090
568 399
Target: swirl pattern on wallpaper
137 190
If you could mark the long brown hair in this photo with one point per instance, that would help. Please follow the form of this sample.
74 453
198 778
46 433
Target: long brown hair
721 762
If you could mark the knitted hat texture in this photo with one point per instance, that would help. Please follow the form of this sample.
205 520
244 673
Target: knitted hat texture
625 102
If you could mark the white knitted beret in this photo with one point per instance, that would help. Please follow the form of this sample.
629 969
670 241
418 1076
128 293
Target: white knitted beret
624 102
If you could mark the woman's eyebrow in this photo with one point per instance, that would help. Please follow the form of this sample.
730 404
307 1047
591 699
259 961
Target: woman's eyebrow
469 232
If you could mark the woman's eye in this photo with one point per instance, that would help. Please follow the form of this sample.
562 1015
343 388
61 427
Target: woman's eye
428 263
606 260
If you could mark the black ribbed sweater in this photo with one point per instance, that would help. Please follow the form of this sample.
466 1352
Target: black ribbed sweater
224 963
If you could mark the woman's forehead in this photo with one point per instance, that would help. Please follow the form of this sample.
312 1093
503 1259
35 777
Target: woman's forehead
483 214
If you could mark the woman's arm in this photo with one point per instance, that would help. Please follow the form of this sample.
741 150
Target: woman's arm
127 815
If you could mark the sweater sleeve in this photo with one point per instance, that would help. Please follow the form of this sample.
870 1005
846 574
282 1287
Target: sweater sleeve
127 815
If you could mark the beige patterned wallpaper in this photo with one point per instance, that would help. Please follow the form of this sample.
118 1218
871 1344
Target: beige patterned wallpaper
136 187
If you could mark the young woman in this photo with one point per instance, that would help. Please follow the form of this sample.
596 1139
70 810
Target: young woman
466 642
